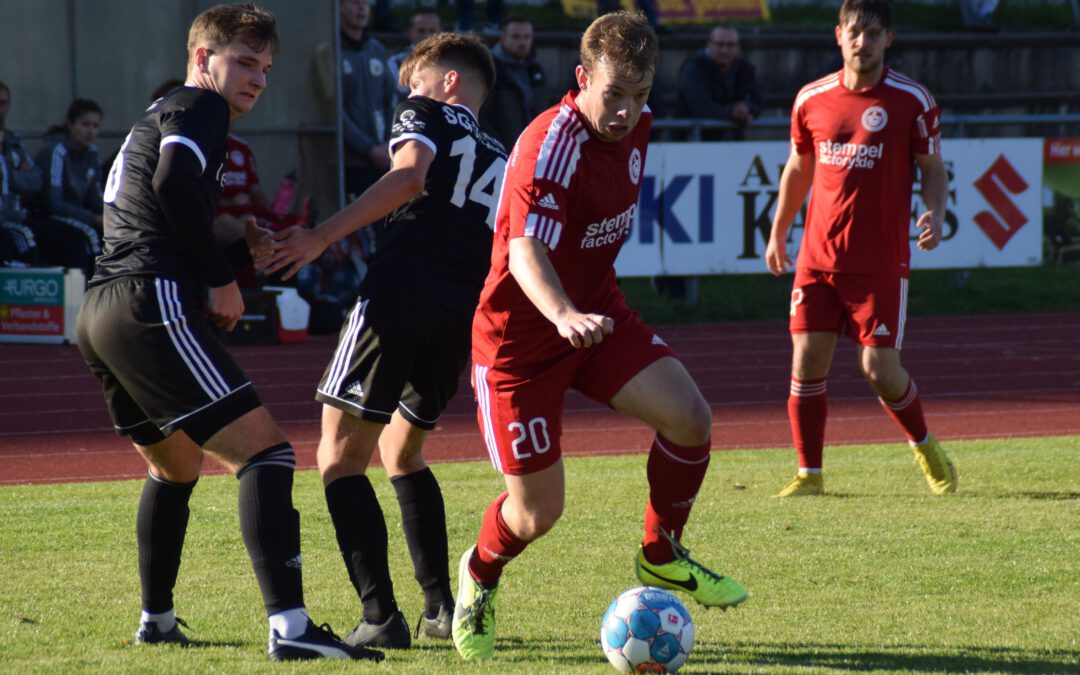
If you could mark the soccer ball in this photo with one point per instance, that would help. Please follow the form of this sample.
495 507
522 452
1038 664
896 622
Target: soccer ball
647 630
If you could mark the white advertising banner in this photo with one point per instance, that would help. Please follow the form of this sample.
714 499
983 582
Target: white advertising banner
706 208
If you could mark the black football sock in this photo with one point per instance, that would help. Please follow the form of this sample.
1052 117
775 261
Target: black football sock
160 526
423 518
362 539
271 527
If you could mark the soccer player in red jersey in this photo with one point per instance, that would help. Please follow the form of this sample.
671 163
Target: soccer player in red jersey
856 136
551 317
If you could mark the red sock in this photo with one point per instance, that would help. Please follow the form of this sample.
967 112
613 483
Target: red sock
808 407
495 547
907 412
675 474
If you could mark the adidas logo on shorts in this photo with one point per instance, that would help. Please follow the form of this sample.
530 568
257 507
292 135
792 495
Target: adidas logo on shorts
882 331
355 389
657 340
548 202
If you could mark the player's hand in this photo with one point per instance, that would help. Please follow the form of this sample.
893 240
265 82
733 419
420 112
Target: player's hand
257 238
290 250
585 330
777 258
226 306
930 236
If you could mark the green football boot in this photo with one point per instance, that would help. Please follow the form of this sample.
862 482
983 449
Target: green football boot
474 615
691 577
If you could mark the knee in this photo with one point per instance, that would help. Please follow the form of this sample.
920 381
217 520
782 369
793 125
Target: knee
883 380
691 425
403 460
536 521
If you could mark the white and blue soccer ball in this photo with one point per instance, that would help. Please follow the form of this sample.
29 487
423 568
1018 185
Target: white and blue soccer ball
647 630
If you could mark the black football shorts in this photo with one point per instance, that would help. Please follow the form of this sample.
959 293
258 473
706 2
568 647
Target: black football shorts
161 366
397 353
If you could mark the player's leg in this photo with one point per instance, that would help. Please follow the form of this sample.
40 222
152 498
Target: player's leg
520 418
423 520
361 389
150 336
527 510
160 528
255 449
344 454
664 396
877 307
442 353
816 315
108 320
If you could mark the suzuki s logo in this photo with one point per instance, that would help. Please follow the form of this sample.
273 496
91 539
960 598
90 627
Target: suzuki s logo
1006 219
635 166
875 118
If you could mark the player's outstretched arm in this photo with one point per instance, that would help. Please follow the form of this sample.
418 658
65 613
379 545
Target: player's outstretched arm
795 182
935 193
296 246
535 275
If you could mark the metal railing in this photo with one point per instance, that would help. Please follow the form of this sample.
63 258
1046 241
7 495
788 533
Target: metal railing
960 124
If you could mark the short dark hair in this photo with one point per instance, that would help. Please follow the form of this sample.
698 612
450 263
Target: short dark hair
865 12
220 25
623 39
80 107
451 51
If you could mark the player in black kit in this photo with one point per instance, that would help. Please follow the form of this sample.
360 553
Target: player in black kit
407 340
168 382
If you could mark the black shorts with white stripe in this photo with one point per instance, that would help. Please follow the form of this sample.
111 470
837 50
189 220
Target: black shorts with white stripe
397 353
159 362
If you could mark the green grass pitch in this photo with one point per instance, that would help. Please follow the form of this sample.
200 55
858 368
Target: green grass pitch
877 576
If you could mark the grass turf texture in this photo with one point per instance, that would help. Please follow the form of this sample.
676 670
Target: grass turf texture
739 297
877 576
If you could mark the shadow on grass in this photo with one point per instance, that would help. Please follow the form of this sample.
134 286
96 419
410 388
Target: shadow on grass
1048 496
713 658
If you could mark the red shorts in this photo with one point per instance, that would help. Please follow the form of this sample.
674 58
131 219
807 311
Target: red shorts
520 415
870 309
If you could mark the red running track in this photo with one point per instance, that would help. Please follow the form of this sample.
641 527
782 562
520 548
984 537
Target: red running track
979 376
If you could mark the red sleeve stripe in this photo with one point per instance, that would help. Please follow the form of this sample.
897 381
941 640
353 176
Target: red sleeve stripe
544 228
561 149
904 83
815 88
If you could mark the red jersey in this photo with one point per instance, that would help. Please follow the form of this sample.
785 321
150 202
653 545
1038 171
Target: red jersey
578 195
864 144
240 175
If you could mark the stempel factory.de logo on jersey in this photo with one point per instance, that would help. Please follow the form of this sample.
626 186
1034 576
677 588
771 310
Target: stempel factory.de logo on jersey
849 155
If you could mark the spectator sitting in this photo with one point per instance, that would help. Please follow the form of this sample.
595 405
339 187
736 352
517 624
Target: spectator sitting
519 78
424 24
70 233
714 83
20 179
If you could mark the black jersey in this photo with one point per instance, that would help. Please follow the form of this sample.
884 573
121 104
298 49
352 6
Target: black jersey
438 245
140 240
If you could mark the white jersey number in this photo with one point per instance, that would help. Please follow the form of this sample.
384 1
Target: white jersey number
485 188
